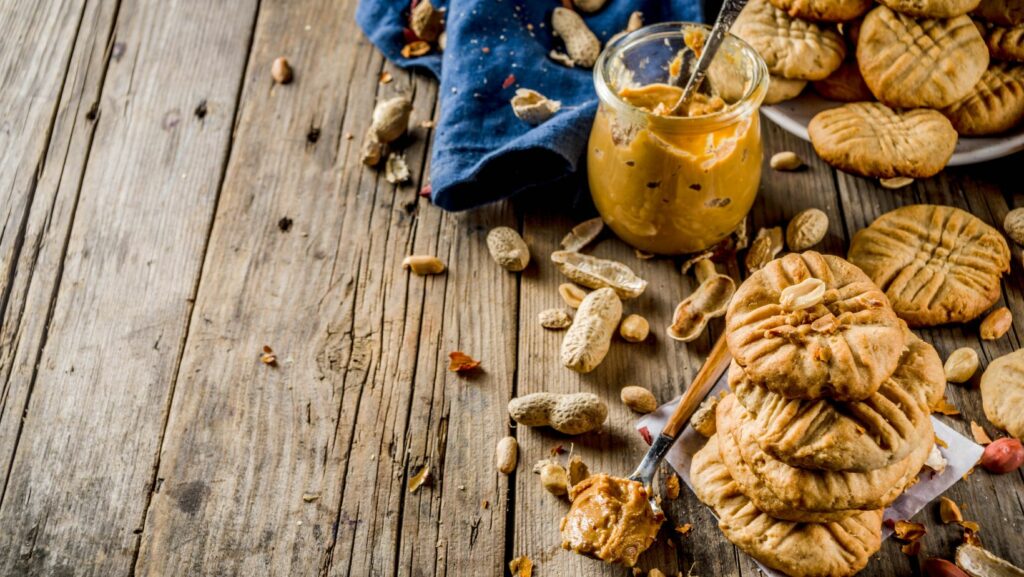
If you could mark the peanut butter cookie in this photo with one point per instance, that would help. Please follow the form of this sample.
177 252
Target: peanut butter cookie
845 84
842 348
937 264
783 89
996 104
824 10
837 549
932 8
799 491
791 48
871 139
910 63
1002 393
1002 12
857 436
1004 42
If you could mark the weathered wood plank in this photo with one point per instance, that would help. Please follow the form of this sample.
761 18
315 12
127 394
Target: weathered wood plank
80 479
994 501
45 137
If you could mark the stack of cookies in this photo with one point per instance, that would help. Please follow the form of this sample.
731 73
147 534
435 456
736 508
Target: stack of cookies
828 420
915 74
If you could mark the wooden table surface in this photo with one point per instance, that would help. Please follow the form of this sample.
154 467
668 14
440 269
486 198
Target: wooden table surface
166 212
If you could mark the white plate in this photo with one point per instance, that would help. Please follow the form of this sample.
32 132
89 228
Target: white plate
794 115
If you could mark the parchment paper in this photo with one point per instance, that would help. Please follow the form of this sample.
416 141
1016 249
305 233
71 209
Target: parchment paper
961 455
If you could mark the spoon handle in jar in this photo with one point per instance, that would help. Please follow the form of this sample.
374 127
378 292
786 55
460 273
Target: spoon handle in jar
726 16
716 363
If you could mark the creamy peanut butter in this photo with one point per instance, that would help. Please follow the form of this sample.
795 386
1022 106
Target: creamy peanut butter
668 188
610 519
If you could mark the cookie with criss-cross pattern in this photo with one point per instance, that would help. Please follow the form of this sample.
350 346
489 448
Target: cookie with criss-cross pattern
835 549
995 105
824 10
857 436
871 139
1002 12
932 8
841 347
937 264
910 63
792 48
1004 42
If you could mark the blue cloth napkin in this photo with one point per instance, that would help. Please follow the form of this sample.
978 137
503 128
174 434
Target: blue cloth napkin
482 152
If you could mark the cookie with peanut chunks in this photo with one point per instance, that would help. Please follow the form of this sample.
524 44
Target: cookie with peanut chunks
792 48
1004 42
1002 12
824 10
858 436
845 84
937 264
871 139
932 8
910 63
840 548
1002 393
842 347
995 105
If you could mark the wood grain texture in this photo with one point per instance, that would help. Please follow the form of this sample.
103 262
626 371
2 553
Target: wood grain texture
80 480
50 201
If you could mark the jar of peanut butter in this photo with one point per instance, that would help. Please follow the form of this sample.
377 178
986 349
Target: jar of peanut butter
666 181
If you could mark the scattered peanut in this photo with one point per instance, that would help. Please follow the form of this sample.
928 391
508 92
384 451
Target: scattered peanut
578 470
638 399
1002 456
508 249
806 229
949 512
785 161
935 567
281 71
582 234
572 294
572 414
580 43
396 171
426 21
533 107
961 365
655 573
554 319
598 273
423 264
586 343
561 58
552 477
634 329
703 419
766 245
996 324
506 455
803 295
1013 224
896 182
389 121
979 562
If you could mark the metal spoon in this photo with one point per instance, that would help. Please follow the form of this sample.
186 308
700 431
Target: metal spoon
718 359
726 16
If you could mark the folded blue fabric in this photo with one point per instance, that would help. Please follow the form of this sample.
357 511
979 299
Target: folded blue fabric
482 152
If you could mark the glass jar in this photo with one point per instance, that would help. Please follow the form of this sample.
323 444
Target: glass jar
675 184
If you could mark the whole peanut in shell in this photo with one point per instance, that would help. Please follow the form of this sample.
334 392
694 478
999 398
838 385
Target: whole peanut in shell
572 414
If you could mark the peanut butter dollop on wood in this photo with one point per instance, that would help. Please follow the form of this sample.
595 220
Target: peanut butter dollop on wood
610 519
